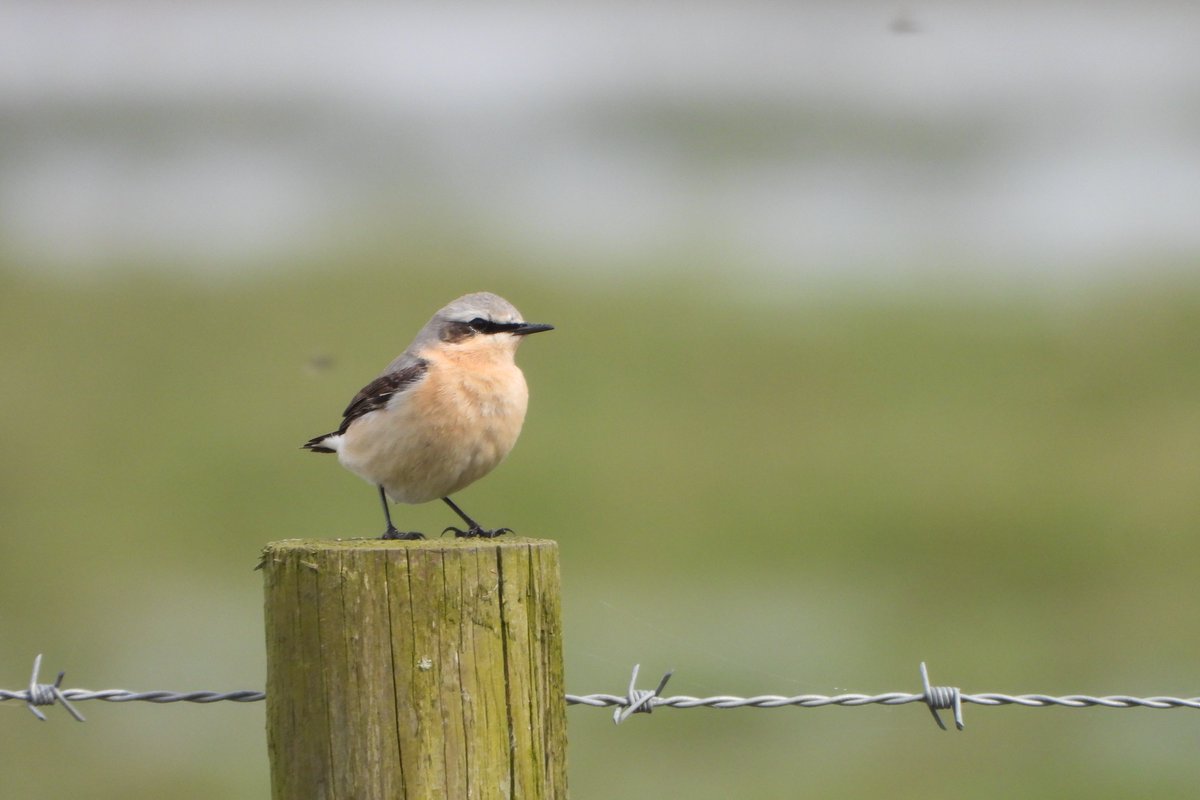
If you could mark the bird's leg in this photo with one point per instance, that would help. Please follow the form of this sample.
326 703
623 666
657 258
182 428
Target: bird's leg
473 530
391 532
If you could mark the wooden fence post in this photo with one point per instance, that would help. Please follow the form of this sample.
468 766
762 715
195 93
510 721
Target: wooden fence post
405 670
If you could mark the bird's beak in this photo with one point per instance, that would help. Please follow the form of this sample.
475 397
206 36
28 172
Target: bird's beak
527 328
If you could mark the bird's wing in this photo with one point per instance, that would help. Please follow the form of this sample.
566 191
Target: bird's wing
377 393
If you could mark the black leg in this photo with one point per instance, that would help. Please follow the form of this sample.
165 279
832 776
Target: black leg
473 527
391 532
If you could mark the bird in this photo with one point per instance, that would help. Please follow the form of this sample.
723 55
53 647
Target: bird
443 414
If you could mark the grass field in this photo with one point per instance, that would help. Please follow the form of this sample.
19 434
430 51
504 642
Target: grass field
801 491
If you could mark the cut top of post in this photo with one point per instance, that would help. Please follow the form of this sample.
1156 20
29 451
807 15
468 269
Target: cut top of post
447 543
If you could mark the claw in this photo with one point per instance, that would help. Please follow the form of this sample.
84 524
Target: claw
392 533
476 532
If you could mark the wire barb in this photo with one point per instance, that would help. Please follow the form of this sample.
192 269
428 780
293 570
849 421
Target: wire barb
639 700
941 697
47 694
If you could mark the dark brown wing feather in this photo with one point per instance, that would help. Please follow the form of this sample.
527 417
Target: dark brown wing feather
373 396
378 392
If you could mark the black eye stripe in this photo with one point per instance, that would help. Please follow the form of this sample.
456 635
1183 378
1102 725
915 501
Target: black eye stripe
480 325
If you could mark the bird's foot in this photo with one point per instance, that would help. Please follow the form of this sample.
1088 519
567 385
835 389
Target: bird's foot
392 533
476 532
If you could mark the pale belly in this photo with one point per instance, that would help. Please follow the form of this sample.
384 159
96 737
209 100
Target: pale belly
438 438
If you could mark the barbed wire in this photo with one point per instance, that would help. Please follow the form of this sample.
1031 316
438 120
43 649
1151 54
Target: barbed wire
635 701
936 698
47 694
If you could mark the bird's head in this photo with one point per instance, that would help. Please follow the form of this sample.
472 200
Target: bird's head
479 323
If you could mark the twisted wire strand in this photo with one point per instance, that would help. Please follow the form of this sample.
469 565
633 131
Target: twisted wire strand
675 701
640 700
889 699
1081 701
44 697
125 696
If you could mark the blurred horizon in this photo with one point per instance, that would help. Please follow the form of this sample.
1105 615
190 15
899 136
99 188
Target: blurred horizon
1041 145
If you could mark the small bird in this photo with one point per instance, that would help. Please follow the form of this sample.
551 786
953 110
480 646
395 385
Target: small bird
443 414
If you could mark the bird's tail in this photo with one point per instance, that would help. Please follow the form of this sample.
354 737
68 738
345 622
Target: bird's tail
321 444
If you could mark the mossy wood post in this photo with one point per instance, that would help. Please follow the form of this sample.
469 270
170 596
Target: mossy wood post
429 669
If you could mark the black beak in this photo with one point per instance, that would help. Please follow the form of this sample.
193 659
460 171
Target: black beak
526 328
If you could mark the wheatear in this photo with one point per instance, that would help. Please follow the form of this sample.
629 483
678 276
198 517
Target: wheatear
443 414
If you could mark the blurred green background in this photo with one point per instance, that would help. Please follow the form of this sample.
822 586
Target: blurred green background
877 343
804 494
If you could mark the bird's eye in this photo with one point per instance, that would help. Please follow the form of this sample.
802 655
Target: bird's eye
478 324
